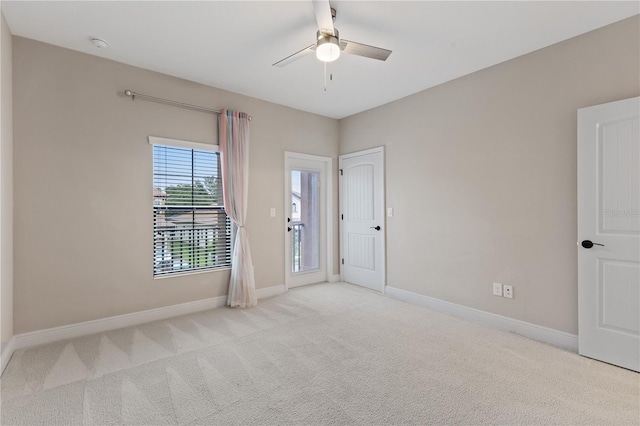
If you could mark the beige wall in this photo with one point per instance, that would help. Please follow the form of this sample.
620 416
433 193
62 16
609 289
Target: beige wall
481 173
83 219
6 186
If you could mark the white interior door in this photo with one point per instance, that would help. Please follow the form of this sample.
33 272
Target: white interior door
362 236
307 224
609 232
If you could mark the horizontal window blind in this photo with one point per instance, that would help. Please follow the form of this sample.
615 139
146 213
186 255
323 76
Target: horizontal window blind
191 230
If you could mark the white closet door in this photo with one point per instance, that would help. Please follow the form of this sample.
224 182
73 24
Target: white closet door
362 218
609 232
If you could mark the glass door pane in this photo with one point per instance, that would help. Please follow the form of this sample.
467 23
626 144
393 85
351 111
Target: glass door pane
305 221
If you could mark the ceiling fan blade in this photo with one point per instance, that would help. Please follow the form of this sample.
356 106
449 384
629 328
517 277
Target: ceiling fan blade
322 9
355 48
295 56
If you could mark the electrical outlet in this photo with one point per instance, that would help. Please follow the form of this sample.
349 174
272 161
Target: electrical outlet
508 291
497 289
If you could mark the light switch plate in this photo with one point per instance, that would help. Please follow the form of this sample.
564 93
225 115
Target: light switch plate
497 289
390 212
272 212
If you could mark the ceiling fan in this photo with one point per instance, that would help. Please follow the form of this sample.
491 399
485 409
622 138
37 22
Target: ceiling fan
328 44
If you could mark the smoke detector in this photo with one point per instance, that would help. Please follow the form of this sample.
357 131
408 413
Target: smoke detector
99 43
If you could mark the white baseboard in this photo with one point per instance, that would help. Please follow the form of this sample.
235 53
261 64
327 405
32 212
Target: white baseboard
7 353
537 332
333 278
275 290
70 331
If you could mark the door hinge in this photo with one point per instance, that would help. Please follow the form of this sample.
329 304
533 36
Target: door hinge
340 172
341 217
343 261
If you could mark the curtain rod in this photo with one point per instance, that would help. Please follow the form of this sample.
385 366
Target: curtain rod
133 95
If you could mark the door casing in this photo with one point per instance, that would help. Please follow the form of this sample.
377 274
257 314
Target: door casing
326 164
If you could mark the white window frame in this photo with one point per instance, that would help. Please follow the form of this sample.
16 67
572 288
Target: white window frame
201 146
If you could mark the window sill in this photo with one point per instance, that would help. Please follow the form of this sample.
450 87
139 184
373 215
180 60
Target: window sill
182 274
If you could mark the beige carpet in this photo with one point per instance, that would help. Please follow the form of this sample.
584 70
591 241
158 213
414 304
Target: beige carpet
323 354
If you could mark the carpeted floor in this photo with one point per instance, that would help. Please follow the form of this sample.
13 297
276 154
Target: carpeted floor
322 354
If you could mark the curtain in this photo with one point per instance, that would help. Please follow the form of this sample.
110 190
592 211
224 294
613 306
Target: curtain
233 129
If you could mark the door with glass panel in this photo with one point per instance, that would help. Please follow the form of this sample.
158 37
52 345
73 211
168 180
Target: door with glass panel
305 219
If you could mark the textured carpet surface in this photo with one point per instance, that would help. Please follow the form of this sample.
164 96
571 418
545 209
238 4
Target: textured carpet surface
322 354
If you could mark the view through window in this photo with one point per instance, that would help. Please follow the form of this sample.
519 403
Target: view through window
191 230
305 221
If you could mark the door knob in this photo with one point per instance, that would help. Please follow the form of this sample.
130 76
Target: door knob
588 244
377 228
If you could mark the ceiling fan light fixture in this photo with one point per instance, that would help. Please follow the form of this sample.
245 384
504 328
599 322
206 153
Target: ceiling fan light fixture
328 47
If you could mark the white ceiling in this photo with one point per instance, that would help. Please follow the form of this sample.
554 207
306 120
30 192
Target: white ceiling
231 45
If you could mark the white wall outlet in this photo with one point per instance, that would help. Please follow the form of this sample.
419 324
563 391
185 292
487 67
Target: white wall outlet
508 291
272 212
497 289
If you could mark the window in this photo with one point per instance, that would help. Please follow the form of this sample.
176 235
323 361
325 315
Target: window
191 230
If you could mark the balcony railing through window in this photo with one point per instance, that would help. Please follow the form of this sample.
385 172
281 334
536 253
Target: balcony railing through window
188 238
296 246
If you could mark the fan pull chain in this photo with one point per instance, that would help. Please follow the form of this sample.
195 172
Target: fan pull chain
325 76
